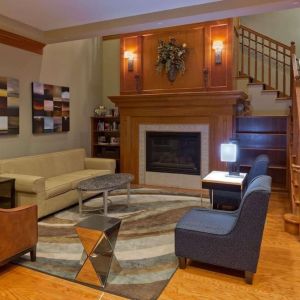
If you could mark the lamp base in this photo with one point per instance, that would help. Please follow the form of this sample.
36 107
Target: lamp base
234 174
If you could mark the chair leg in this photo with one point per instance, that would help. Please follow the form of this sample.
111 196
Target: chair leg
33 254
182 262
249 277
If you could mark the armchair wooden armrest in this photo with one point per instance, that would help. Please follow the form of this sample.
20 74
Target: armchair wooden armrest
19 232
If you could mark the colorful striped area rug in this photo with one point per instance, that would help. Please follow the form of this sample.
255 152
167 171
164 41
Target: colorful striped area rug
144 248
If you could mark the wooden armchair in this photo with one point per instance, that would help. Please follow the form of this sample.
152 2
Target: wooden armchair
18 232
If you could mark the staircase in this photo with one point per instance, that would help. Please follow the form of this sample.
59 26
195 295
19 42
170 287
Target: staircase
269 73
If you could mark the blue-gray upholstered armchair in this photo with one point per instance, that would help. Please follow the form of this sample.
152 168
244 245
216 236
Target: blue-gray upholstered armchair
225 238
231 199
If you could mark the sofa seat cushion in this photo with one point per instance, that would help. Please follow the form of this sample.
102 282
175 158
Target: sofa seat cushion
58 185
76 177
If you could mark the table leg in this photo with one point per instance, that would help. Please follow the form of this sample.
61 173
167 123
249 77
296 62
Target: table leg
105 195
212 198
80 202
128 194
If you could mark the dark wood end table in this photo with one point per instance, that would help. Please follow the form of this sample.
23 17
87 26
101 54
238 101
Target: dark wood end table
7 192
219 180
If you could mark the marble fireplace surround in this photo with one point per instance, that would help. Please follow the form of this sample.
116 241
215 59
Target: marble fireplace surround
215 109
171 179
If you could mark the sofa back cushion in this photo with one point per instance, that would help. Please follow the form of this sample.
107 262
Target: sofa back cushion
45 165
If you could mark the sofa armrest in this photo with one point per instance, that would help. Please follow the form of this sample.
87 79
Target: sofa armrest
19 230
27 183
100 163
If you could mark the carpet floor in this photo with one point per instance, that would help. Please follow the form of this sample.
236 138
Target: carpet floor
144 248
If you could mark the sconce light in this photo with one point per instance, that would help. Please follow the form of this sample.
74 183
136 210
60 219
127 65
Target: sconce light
218 47
130 58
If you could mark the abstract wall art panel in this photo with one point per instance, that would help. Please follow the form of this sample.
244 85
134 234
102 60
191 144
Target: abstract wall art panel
50 108
9 105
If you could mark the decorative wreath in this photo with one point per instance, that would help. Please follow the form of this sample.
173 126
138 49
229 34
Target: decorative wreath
171 56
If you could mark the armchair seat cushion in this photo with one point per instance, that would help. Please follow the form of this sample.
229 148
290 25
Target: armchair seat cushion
207 222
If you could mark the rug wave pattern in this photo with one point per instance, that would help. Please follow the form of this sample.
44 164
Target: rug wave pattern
144 248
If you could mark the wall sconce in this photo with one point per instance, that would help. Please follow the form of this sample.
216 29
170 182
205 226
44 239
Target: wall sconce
218 47
130 58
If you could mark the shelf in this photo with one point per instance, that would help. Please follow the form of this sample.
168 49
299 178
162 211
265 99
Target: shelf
262 149
107 145
107 118
262 132
275 167
106 131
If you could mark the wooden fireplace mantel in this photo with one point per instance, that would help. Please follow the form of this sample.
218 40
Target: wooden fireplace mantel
217 109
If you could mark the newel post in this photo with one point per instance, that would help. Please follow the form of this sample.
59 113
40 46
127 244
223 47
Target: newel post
292 51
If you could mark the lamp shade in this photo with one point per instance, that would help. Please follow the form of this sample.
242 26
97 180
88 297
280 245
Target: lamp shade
228 152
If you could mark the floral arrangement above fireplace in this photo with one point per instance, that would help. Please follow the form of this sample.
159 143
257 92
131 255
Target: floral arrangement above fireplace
171 57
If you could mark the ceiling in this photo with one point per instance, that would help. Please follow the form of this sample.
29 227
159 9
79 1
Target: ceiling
54 14
52 21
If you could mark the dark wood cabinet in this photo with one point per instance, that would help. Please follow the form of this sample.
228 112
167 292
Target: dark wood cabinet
264 135
106 138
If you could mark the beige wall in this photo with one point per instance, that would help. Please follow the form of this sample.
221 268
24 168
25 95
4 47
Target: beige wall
74 64
110 70
282 25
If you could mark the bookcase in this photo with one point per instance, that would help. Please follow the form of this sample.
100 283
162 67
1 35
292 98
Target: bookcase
264 135
105 131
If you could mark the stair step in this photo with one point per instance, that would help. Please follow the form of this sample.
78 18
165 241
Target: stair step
242 76
255 83
283 98
270 91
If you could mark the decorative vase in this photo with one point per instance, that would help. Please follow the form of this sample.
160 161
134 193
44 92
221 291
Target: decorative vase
172 73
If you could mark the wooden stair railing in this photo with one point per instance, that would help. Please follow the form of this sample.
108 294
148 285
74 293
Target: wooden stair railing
292 220
266 61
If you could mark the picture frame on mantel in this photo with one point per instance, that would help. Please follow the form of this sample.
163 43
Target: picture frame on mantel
50 108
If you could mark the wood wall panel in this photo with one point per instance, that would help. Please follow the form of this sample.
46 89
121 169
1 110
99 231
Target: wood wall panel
219 73
154 81
199 39
128 78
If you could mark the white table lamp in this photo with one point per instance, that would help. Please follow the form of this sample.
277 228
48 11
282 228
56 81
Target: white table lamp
229 155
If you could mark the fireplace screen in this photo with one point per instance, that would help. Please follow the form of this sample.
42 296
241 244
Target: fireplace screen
173 152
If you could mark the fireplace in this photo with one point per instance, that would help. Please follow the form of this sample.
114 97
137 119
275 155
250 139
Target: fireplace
173 152
200 153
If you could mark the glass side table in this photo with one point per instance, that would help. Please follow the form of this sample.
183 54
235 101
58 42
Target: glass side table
98 235
7 192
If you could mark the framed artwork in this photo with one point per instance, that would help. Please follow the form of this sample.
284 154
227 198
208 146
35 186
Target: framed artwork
50 108
9 105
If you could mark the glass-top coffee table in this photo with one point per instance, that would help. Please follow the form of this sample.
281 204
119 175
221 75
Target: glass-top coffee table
104 184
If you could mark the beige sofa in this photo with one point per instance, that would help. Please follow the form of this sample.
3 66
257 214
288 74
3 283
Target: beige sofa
50 180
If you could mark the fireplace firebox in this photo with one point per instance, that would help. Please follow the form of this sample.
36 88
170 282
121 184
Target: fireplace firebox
173 152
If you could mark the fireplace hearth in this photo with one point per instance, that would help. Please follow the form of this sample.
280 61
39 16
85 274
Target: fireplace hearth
173 152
